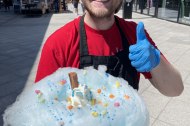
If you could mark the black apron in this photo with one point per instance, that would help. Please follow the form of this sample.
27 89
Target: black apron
118 65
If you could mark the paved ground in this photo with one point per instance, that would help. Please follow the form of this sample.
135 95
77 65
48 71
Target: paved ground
21 39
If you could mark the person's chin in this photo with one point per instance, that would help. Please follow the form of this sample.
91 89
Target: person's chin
101 10
100 13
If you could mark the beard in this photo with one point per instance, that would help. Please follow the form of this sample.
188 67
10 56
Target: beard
99 12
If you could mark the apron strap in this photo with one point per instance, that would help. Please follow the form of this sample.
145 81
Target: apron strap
85 59
83 40
125 43
130 72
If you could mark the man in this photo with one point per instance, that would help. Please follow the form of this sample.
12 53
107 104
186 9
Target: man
99 37
75 5
56 6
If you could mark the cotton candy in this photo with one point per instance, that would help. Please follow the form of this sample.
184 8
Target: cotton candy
104 101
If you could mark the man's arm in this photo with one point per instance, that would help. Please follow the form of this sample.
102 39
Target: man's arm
147 58
166 78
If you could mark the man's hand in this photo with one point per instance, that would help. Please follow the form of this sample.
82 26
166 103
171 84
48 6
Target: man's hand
144 56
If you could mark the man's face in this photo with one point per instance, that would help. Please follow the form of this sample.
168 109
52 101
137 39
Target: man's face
101 8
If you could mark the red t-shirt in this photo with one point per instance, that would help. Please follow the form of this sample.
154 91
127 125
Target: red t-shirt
62 48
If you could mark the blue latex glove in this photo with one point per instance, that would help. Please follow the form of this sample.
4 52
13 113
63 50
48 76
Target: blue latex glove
143 55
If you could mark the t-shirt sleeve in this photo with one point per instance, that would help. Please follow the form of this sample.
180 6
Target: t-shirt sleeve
58 51
48 63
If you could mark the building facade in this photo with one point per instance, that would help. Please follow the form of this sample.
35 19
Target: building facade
171 10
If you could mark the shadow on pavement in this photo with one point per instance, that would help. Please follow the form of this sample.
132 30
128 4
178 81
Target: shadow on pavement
20 42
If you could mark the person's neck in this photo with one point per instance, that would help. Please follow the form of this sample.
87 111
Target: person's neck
99 23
